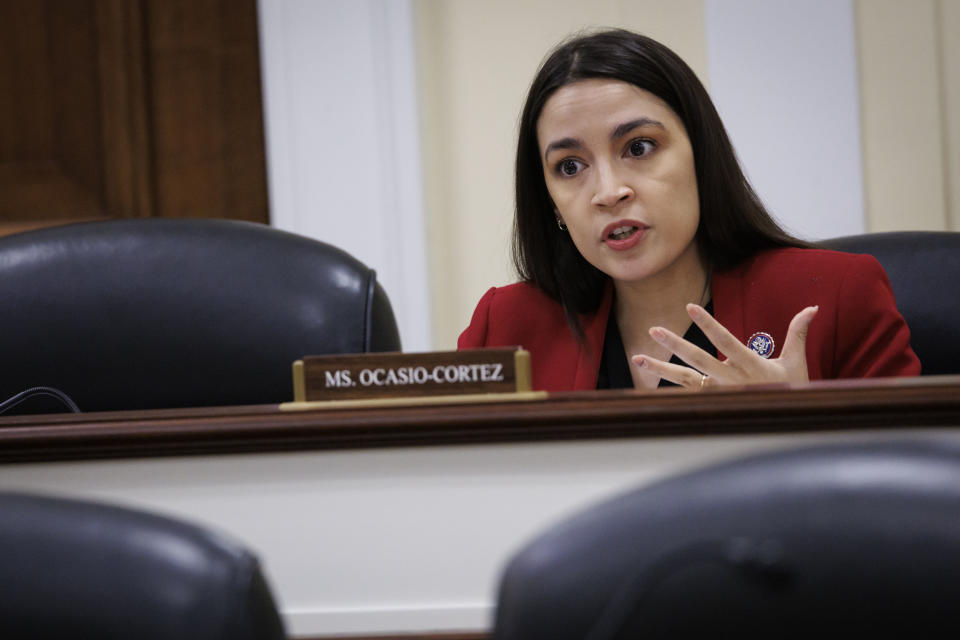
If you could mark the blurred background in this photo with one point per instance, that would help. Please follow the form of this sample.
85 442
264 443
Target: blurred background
387 127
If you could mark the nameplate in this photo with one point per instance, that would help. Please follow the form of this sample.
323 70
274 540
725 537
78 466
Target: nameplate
398 375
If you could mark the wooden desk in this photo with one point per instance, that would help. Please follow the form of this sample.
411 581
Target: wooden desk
378 521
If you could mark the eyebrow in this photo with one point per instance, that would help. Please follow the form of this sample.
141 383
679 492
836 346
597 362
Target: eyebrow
627 127
618 132
563 143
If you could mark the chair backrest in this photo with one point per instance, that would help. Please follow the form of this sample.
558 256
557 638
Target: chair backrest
924 271
73 569
153 313
852 540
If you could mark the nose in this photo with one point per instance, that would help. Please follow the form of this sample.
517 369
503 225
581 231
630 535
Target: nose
611 189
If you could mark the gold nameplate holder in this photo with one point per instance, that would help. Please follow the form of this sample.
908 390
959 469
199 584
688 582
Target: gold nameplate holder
397 379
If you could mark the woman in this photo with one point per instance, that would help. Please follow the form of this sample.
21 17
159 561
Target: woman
647 259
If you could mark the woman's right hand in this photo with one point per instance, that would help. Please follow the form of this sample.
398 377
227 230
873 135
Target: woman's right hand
742 365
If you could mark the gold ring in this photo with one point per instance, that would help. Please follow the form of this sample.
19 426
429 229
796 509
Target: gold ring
703 379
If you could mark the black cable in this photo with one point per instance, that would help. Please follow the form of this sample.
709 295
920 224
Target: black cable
13 401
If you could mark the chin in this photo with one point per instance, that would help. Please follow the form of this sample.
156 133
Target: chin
627 270
628 275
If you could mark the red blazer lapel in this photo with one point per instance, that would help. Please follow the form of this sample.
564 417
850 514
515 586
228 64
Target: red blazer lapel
727 294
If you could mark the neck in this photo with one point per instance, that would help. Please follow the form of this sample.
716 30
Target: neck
661 300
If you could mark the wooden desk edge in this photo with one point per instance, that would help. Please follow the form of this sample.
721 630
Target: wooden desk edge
413 401
833 406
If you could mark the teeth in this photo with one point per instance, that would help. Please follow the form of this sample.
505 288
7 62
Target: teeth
622 232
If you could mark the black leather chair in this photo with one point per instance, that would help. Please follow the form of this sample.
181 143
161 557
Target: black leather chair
151 313
924 271
843 541
72 569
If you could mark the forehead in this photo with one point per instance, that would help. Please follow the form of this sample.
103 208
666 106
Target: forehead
599 103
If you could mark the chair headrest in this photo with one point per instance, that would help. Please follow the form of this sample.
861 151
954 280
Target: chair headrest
860 536
75 568
165 313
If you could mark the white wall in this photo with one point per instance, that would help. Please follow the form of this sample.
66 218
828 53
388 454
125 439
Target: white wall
783 75
343 146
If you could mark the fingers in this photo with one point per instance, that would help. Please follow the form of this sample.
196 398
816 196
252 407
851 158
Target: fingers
675 373
742 365
725 342
688 352
795 344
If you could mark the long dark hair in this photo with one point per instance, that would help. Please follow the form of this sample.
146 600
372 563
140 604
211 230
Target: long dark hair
733 222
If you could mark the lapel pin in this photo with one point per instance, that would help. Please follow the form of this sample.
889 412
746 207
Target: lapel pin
762 343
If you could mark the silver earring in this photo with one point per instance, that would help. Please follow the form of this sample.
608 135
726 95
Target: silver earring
560 225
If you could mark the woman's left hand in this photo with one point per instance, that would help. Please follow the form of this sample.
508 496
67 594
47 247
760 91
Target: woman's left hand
742 366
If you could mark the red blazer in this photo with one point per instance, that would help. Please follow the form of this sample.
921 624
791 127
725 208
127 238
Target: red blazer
858 332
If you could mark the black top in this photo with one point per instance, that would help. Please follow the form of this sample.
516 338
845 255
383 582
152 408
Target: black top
615 370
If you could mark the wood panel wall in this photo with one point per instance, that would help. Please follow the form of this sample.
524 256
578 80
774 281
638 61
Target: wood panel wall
129 108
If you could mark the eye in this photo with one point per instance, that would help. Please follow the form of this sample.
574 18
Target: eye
641 147
569 167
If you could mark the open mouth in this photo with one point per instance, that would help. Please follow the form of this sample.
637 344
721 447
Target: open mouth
622 232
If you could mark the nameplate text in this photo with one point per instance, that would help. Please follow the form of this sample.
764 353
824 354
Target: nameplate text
392 375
